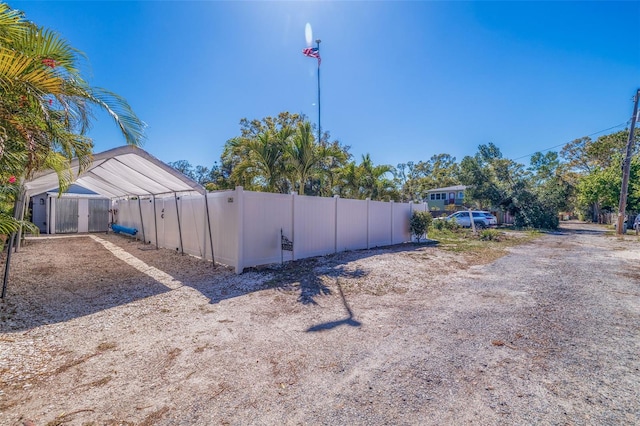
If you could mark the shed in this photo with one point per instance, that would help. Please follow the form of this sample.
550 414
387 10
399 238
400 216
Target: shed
76 210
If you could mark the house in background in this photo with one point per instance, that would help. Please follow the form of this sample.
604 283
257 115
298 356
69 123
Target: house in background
440 198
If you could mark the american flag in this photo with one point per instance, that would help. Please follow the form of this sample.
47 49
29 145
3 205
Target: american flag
312 52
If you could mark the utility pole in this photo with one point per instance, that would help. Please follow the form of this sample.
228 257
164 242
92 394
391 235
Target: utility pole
626 170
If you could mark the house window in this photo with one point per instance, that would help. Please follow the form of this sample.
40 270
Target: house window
444 195
461 195
433 196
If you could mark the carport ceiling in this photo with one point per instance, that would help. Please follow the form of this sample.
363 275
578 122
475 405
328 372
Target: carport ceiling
121 172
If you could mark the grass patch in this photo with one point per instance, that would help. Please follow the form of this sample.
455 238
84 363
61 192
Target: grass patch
485 246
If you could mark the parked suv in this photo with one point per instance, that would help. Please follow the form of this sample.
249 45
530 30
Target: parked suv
481 219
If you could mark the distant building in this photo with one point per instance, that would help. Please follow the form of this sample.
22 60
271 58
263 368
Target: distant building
440 198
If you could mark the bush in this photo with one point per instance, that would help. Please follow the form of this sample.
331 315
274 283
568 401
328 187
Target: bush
419 223
490 235
438 224
444 224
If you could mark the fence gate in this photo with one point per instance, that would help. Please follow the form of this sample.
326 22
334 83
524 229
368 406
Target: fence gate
66 215
98 215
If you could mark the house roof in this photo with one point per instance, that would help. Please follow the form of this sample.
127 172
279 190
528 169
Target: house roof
449 188
121 172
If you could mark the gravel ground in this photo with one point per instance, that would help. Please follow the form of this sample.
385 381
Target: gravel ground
406 335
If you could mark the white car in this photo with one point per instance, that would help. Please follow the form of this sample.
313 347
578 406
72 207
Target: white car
481 219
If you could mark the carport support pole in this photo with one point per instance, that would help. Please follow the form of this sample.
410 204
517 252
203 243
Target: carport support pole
7 265
175 197
155 219
22 203
144 238
206 206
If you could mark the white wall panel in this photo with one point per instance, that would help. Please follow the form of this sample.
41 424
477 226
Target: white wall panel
264 215
223 213
401 215
352 224
169 218
379 224
128 213
192 222
246 225
315 225
148 220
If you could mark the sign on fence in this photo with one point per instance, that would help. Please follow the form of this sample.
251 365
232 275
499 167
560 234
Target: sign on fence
285 245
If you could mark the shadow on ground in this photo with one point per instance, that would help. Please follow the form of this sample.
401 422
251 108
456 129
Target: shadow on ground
349 320
308 277
54 281
584 228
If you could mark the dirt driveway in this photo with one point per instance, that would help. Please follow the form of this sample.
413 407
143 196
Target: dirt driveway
548 334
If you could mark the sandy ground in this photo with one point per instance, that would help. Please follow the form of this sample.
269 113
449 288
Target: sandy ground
407 335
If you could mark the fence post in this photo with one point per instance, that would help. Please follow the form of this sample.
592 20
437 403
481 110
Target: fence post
293 224
391 204
368 221
239 199
335 225
410 215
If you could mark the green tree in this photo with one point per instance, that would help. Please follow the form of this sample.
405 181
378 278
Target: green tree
46 104
407 180
332 158
366 180
494 181
261 166
280 154
374 183
302 157
552 180
184 167
592 167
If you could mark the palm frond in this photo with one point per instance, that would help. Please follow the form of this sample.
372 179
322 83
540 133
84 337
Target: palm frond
12 24
9 225
17 69
47 45
119 109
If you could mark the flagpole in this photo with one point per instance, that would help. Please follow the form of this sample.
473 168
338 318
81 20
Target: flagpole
319 126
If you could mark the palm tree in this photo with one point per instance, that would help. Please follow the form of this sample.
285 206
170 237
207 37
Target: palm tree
349 178
333 158
260 164
45 104
366 180
302 156
373 183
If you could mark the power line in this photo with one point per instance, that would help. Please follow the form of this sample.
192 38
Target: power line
562 144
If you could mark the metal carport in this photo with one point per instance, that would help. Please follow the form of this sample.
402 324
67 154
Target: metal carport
121 172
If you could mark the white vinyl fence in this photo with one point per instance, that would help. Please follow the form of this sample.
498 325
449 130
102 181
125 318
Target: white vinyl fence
246 226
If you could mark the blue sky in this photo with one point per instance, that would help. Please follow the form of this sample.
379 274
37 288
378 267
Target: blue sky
400 80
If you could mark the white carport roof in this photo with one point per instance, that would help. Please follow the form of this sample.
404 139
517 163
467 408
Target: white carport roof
121 172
